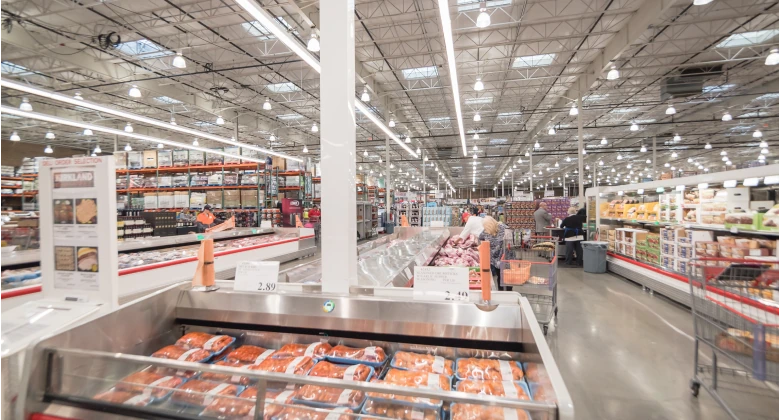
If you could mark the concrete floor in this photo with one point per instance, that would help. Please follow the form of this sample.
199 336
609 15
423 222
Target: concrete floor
627 354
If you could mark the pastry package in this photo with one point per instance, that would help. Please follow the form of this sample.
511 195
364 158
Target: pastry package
291 365
224 377
411 379
357 372
329 397
216 344
307 413
115 396
201 393
249 354
175 352
510 389
422 363
483 412
149 383
399 411
243 407
315 350
488 370
371 355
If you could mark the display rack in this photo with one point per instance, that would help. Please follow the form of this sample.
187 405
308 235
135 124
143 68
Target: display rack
364 220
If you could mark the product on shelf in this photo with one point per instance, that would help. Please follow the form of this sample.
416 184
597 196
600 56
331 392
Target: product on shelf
488 369
182 353
411 379
399 411
243 407
345 354
149 383
329 396
512 389
290 365
308 413
249 354
464 254
223 377
422 363
316 350
123 397
536 373
483 412
357 372
196 392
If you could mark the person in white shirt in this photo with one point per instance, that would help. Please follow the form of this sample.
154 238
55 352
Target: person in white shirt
474 226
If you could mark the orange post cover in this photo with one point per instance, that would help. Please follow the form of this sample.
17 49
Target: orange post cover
486 274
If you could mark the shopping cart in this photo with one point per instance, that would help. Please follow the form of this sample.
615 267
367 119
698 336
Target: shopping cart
735 309
530 268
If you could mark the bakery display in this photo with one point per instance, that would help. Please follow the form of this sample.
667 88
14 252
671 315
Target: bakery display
488 370
422 363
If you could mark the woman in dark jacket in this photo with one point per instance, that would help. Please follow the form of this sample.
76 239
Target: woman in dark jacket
572 228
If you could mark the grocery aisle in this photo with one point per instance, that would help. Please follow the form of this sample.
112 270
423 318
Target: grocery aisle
623 352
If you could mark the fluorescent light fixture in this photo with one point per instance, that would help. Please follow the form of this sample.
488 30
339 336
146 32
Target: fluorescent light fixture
751 182
446 27
144 48
771 180
479 101
718 88
313 43
730 183
538 60
509 114
748 38
701 2
420 73
167 100
284 87
179 62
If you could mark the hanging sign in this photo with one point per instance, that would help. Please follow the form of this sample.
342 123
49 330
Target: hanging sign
441 284
257 276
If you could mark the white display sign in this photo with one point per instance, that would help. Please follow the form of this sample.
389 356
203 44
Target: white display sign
441 283
437 223
257 276
548 193
78 230
266 224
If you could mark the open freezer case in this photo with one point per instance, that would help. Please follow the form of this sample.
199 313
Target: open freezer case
315 357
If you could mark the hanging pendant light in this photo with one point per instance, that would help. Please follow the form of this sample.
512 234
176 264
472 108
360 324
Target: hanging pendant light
380 159
604 142
477 117
267 106
97 150
536 145
613 74
173 121
619 157
179 62
757 134
15 136
220 120
764 151
689 160
365 152
773 57
50 136
159 145
763 144
359 168
475 148
584 151
670 110
476 136
674 155
87 132
25 105
483 20
78 96
723 153
313 43
272 137
392 123
726 116
551 131
128 148
315 128
195 142
707 146
418 151
634 126
479 85
567 158
643 149
48 149
365 97
305 149
600 163
574 110
648 161
128 128
134 92
677 137
408 139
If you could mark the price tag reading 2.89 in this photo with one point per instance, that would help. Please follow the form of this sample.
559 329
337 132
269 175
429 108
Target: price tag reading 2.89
257 276
447 284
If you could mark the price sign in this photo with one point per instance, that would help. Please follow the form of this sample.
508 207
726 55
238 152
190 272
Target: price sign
257 276
266 224
441 283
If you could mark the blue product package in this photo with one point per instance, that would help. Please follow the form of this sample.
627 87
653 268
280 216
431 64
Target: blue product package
198 393
498 370
368 353
347 398
459 411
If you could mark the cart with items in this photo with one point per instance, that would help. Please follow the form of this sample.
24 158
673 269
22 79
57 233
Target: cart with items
735 309
529 266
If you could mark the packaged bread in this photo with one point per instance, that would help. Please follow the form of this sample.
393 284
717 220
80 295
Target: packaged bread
746 243
488 370
291 365
182 353
314 350
399 411
307 413
200 340
149 383
422 363
329 396
511 389
115 396
249 354
197 392
223 377
483 412
370 355
357 372
243 407
726 240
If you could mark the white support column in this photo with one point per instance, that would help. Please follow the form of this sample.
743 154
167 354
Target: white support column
338 138
654 159
532 174
387 179
424 180
580 142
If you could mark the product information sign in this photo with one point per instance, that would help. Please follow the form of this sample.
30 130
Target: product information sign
441 283
78 229
257 276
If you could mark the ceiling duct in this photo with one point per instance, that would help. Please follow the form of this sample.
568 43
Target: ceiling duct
688 83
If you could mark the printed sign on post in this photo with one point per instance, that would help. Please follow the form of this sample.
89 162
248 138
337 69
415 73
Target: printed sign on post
441 283
257 276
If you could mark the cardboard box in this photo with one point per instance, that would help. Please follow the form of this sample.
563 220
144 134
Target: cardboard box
150 201
120 160
197 200
165 200
215 159
164 158
180 158
150 159
134 160
180 199
196 158
279 162
233 150
232 199
214 198
249 199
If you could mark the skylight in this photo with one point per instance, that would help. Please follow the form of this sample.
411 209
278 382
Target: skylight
255 29
748 38
287 117
284 87
768 97
718 88
509 114
202 123
11 68
420 73
750 114
595 97
439 119
479 101
623 110
499 141
533 60
167 100
466 5
143 47
645 121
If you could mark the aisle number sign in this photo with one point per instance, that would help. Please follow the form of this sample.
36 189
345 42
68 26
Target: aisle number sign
257 276
441 284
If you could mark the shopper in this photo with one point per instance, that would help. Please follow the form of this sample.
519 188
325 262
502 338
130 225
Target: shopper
207 219
315 213
494 232
502 218
542 218
474 226
573 237
465 217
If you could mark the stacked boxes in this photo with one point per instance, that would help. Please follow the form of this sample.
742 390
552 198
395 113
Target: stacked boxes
437 214
519 215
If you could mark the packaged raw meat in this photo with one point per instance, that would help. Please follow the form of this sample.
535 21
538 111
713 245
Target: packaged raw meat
535 372
199 340
422 362
149 383
347 372
221 377
291 365
483 412
372 355
488 370
399 411
322 396
243 407
543 391
314 350
182 353
249 354
308 413
124 397
511 389
412 380
201 393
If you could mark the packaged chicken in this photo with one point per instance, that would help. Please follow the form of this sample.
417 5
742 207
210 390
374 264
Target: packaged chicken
199 340
536 372
149 383
249 354
372 355
422 363
543 391
412 380
182 353
328 397
399 411
222 377
483 412
243 407
124 397
309 413
201 393
291 365
314 350
345 372
511 389
488 370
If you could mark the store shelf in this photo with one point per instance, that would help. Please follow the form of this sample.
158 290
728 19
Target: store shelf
291 173
316 180
199 168
715 228
289 188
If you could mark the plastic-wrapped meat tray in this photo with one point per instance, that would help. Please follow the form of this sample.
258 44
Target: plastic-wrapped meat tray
488 369
149 383
422 363
315 350
199 393
124 397
249 354
216 344
371 355
359 372
329 397
399 411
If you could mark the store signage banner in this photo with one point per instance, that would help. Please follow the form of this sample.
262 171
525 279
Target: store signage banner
548 193
78 230
444 284
257 276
